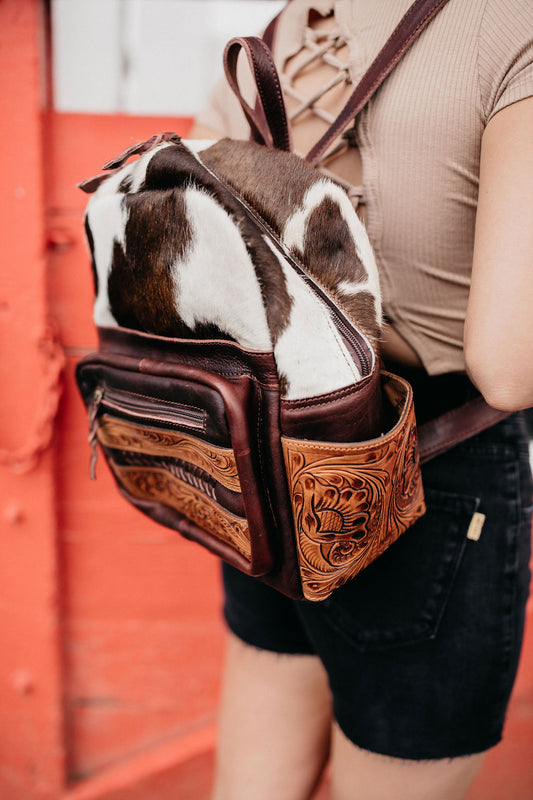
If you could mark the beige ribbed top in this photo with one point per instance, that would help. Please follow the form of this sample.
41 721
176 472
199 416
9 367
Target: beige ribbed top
419 140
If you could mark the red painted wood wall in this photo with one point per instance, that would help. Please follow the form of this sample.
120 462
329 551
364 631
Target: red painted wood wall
110 634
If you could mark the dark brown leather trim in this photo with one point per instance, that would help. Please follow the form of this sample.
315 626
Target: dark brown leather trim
228 358
347 415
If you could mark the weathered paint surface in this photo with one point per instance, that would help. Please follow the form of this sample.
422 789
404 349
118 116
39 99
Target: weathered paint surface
31 715
110 632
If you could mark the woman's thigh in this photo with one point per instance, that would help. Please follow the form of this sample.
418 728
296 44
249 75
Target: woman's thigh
360 775
274 725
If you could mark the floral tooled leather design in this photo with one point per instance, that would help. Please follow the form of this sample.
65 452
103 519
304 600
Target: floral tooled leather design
351 502
218 461
161 486
166 484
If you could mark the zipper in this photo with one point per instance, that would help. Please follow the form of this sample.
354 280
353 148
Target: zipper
151 409
142 409
356 344
343 324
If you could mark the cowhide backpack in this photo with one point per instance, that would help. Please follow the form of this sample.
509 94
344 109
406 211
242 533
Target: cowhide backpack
237 393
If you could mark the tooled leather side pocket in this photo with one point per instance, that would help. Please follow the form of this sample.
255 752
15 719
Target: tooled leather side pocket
350 502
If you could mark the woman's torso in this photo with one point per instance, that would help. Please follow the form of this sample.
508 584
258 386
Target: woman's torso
418 144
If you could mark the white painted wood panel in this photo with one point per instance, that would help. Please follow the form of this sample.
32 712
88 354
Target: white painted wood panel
145 56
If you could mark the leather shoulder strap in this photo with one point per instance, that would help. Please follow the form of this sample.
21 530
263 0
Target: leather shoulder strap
442 433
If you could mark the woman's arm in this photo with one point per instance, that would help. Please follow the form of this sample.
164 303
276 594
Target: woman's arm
499 319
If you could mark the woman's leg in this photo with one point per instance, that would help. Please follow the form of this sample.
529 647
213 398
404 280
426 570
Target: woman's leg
360 775
274 726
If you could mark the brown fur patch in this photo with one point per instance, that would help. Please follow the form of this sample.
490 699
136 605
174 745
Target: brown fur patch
140 287
329 248
361 309
272 181
125 184
330 255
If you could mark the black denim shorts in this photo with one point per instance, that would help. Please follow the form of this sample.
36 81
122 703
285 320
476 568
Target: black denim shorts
422 648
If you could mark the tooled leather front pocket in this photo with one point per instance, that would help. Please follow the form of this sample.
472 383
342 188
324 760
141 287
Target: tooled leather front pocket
172 452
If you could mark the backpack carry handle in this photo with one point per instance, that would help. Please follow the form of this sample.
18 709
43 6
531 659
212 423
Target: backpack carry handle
268 122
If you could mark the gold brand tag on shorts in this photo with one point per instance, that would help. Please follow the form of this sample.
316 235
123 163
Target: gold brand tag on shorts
475 527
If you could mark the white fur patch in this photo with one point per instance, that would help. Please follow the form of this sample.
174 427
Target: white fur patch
107 219
310 351
216 281
197 145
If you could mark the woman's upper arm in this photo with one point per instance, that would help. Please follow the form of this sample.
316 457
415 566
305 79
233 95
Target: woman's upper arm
499 320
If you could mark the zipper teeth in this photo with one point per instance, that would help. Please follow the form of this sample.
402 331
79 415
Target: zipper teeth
355 344
176 415
341 323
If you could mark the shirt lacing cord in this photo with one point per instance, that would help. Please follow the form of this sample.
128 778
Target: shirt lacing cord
323 46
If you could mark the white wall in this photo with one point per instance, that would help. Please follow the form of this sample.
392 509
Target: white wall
145 56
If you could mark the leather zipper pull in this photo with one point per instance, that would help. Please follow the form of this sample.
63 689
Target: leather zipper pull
93 428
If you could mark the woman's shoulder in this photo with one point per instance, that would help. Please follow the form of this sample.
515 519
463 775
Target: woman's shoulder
505 53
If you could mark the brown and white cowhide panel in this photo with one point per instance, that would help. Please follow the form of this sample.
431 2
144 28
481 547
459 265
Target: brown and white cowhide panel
175 254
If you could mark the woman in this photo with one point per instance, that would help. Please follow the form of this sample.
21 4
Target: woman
403 676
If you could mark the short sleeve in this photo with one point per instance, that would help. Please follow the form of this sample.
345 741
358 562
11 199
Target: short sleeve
505 54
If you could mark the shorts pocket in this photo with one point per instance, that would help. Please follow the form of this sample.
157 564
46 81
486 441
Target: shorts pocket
400 599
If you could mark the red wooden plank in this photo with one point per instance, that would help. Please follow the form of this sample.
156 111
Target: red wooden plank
177 769
31 724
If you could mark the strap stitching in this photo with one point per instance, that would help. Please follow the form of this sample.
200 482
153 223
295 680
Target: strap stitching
277 87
